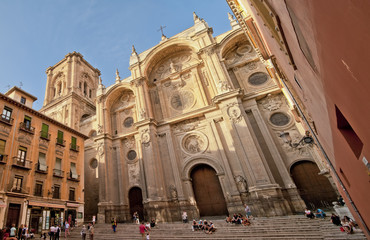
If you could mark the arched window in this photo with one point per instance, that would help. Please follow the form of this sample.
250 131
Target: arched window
59 88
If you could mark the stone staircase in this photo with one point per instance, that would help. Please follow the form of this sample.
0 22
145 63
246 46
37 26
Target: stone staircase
288 227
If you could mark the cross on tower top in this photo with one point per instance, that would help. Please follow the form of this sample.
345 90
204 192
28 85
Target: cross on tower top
161 29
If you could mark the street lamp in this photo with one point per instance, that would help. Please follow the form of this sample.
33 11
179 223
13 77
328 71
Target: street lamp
306 139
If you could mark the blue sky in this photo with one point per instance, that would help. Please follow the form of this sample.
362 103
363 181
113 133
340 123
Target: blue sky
39 33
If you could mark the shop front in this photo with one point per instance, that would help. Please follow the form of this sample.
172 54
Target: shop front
41 216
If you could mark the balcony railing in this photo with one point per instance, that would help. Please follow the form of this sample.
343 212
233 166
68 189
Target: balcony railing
61 142
6 119
3 158
58 173
74 147
44 135
22 163
41 168
27 127
17 189
73 177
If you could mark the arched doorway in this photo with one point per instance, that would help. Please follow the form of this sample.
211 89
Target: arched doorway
315 190
136 202
208 192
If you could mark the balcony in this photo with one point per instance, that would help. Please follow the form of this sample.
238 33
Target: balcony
45 135
73 177
18 190
21 163
27 127
61 142
58 173
7 120
3 158
74 147
40 168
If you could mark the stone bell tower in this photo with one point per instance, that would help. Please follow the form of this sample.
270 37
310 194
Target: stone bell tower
71 90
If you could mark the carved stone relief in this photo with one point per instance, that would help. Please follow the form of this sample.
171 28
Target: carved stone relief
173 192
172 65
5 130
25 137
134 173
234 112
129 142
271 103
187 125
182 100
238 54
194 143
145 137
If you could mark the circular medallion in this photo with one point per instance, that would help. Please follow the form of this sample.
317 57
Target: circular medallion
244 49
181 100
279 119
194 143
128 122
94 163
131 155
258 78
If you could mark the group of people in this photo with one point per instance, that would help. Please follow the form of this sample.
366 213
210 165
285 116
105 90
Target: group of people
239 219
346 224
319 213
13 233
208 228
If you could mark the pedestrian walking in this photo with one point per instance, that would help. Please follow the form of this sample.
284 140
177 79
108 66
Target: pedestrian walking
83 232
91 231
114 224
248 212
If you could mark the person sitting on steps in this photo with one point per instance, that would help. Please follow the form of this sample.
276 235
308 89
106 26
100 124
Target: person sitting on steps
309 214
211 228
194 226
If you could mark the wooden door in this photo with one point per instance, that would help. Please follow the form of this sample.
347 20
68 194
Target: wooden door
315 190
208 192
13 214
136 202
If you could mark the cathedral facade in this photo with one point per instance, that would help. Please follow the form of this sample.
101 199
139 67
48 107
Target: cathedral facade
195 128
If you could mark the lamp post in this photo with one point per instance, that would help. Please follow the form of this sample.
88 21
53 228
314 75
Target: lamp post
306 139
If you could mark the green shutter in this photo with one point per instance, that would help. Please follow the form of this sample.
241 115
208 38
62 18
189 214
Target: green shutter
27 118
74 142
60 137
45 131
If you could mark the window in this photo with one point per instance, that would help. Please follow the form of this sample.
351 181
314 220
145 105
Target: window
72 194
27 122
7 113
73 143
45 131
22 153
90 93
58 167
60 138
73 173
17 184
80 85
38 189
85 88
23 100
42 162
56 192
2 150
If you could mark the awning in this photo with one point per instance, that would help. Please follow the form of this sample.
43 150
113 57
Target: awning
49 205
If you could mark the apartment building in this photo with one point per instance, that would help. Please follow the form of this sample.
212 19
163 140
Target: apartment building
41 166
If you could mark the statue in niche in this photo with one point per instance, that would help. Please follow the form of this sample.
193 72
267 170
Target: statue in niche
241 183
172 67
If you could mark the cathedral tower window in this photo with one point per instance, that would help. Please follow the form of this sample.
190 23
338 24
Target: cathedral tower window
85 88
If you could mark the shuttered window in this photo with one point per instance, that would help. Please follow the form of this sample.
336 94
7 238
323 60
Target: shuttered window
73 171
2 147
45 131
42 162
60 137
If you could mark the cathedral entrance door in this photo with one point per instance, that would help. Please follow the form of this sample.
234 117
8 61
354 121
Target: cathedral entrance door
315 190
136 202
208 192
